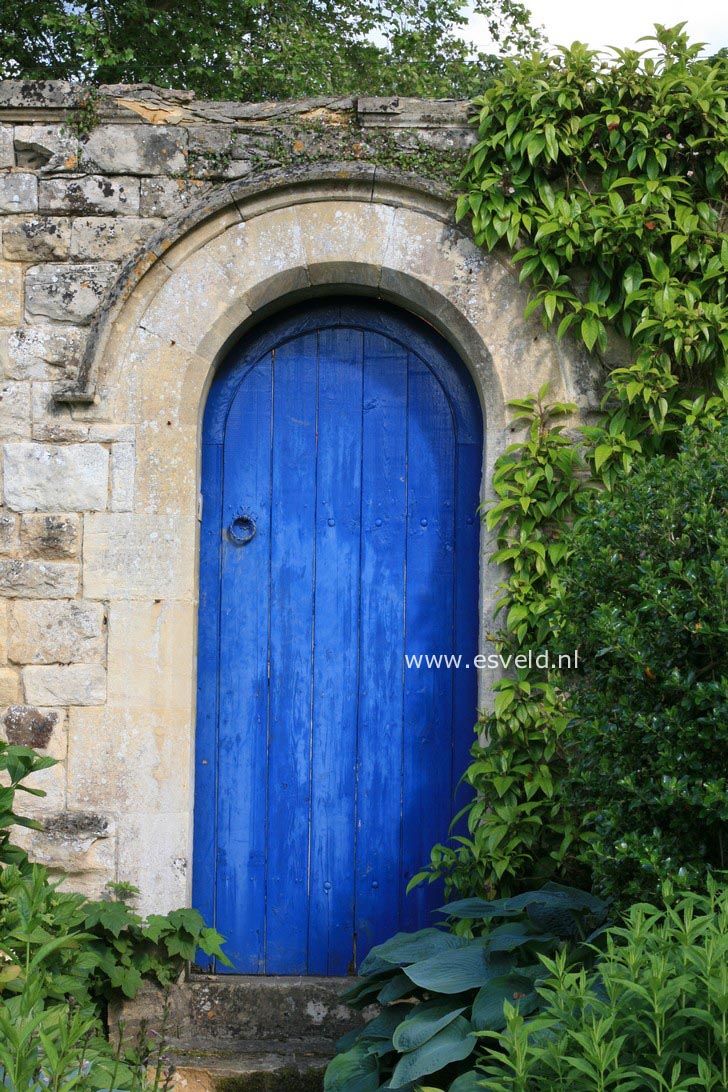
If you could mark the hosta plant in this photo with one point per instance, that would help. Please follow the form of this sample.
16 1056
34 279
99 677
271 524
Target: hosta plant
437 988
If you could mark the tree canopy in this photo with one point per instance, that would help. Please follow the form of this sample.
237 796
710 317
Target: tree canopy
260 49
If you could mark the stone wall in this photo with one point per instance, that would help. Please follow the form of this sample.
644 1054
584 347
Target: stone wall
123 218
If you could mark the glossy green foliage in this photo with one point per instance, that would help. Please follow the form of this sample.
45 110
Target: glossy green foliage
652 1016
609 176
252 50
521 828
645 596
438 989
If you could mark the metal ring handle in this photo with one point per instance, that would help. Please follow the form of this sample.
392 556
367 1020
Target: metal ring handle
241 530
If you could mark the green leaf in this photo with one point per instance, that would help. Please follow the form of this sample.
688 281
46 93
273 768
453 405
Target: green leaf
502 700
456 971
467 1082
404 948
590 330
354 1071
426 1020
659 270
487 1010
535 146
452 1044
602 453
552 147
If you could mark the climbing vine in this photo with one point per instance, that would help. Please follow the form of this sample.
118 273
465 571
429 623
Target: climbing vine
608 179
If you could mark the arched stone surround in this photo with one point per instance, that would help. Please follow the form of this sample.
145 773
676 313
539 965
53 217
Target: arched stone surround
155 345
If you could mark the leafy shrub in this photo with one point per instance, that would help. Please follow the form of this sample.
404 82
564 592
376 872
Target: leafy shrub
607 174
653 1015
58 1048
437 988
521 828
645 597
63 956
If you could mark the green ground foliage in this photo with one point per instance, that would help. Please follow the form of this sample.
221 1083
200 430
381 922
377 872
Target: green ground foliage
651 1017
438 987
63 957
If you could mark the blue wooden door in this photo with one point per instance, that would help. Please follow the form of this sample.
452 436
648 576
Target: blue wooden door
341 464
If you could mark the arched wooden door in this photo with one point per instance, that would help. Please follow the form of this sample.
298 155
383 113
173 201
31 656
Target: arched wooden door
341 464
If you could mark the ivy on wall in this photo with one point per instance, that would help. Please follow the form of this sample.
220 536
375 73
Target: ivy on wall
608 178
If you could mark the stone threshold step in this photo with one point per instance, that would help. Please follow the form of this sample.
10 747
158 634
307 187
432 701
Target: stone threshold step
243 1012
227 1072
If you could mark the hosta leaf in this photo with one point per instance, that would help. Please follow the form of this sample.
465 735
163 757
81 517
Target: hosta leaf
355 1071
425 1021
405 948
399 986
487 1011
456 971
452 1044
467 1082
385 1024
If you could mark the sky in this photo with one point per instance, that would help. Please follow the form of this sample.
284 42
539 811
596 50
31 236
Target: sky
601 23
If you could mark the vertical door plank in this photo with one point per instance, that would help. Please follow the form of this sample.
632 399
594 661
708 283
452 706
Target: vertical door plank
292 607
208 674
241 800
467 572
428 692
379 746
336 640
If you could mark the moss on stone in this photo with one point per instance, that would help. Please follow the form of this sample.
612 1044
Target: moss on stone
281 1080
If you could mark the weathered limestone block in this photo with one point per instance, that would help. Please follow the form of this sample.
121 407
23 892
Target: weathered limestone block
122 478
107 432
107 149
27 726
52 536
53 423
67 684
8 532
79 845
210 139
3 631
29 94
49 477
42 352
52 782
170 196
9 685
46 147
128 556
127 760
153 854
18 192
69 293
151 648
7 155
136 149
54 631
89 194
109 238
43 238
11 293
14 411
37 579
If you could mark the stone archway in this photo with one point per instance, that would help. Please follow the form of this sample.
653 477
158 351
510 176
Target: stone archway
152 357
